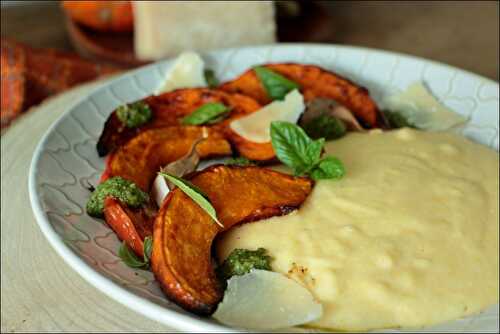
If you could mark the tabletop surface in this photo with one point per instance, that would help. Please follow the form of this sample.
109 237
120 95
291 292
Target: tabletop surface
459 33
39 291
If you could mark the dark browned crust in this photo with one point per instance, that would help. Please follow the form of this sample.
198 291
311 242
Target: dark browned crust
142 156
315 82
168 109
183 232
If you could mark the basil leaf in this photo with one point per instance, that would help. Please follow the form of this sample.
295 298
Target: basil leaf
129 258
276 85
328 168
313 150
218 118
291 145
148 248
239 161
325 126
134 114
210 78
295 149
195 194
206 113
397 120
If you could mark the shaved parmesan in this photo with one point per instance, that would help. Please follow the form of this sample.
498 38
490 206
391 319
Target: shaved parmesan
266 300
422 109
255 127
186 72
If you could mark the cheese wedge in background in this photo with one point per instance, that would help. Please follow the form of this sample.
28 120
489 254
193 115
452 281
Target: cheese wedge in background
186 72
256 126
165 28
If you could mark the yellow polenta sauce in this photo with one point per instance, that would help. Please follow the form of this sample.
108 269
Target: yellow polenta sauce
408 238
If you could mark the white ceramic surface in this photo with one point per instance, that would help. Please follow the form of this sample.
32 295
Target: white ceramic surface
66 159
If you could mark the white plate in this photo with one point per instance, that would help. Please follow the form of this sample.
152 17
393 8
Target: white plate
66 159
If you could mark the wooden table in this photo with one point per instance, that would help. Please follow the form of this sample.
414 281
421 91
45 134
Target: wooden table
39 292
459 33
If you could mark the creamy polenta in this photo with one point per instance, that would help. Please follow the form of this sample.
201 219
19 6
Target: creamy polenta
408 238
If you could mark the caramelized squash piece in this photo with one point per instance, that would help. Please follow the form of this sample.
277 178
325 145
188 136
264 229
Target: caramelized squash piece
315 82
168 109
183 232
141 158
254 151
131 225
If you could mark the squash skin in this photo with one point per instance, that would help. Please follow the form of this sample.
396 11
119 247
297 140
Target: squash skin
315 82
183 232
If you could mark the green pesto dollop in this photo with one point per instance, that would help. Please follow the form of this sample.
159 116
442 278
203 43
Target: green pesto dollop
241 261
134 114
325 126
124 190
239 161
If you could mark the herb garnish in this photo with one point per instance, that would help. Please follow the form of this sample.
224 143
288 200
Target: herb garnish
397 120
241 261
134 114
208 113
328 168
296 150
124 190
131 259
325 126
210 78
195 193
239 161
276 85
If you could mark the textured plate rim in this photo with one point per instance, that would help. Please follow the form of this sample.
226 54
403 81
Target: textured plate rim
171 318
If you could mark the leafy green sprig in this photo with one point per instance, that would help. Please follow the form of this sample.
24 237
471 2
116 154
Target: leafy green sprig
132 260
297 150
276 85
195 193
210 78
209 113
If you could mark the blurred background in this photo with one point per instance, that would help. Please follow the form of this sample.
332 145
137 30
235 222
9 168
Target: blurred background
49 46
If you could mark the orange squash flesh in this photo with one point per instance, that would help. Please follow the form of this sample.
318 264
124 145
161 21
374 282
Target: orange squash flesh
262 152
315 82
183 232
131 225
141 158
168 109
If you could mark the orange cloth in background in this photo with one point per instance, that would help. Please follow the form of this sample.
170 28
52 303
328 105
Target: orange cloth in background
30 75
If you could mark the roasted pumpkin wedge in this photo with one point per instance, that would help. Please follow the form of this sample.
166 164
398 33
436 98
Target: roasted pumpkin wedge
263 152
168 109
141 158
131 225
183 232
315 82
